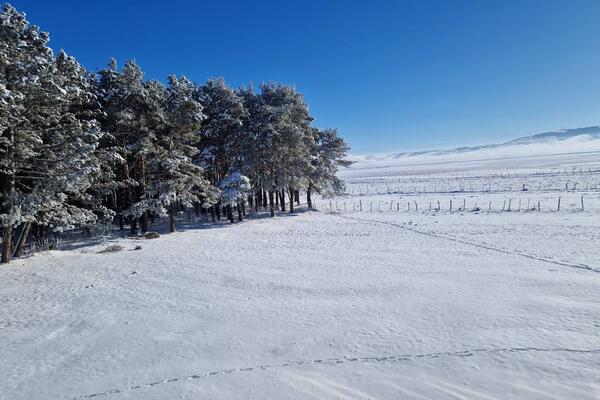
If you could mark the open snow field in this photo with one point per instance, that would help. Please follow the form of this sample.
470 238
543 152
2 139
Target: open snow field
394 303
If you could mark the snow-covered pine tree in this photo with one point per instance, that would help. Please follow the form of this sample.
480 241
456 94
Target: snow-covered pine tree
134 115
328 153
46 149
68 157
174 178
255 146
222 129
287 132
234 192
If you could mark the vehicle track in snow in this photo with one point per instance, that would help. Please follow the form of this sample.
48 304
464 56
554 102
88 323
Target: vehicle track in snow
471 243
337 361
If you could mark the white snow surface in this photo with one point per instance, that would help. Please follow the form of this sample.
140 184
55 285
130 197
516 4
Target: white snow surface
545 150
341 303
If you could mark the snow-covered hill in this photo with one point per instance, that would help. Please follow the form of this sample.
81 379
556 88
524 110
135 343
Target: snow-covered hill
556 148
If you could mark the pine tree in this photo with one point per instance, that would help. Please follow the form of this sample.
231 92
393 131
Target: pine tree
328 154
287 131
47 148
175 178
222 128
134 115
234 192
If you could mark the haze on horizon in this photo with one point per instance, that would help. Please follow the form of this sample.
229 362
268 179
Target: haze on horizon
392 76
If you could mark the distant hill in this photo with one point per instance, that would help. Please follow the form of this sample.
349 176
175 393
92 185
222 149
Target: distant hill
561 141
563 148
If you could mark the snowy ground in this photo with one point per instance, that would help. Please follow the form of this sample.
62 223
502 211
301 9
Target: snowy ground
390 304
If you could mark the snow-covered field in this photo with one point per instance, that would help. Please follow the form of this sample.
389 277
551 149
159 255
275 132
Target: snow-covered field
393 303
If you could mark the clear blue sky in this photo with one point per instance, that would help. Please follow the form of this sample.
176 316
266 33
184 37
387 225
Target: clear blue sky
391 75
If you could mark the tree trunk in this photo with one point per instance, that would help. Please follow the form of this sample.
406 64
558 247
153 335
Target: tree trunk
22 239
297 195
264 196
229 213
277 199
272 203
258 199
128 195
144 222
6 244
212 213
308 199
239 210
7 188
141 190
291 194
134 225
217 208
172 215
283 200
121 227
243 208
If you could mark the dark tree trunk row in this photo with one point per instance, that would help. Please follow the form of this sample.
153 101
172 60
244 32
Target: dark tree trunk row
7 187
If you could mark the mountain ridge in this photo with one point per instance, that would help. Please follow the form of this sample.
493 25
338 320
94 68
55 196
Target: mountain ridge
545 138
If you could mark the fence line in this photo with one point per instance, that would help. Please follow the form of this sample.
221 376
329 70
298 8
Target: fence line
385 206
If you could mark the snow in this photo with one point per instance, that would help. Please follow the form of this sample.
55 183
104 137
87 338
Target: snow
329 304
547 150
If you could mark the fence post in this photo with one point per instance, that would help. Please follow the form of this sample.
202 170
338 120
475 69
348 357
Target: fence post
416 206
558 207
450 205
581 203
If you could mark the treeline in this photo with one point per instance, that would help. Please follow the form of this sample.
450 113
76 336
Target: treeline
80 148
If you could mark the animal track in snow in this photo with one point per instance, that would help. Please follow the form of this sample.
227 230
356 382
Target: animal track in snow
474 244
336 361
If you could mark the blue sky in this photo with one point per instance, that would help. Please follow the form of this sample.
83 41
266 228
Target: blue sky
391 75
